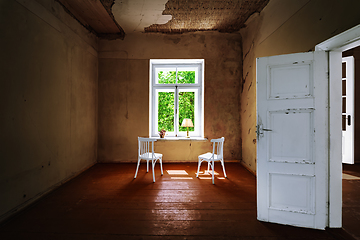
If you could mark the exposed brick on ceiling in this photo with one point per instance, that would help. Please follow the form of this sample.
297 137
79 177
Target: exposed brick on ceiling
207 15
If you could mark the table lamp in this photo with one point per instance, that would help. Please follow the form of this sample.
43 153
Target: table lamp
187 123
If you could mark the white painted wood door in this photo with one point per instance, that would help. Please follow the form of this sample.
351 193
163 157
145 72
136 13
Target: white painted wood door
292 147
348 89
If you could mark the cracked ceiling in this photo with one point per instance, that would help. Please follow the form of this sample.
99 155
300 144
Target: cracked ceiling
115 18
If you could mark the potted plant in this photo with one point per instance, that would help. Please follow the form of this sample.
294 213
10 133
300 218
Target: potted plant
162 133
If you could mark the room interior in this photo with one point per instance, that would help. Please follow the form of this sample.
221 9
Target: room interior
75 89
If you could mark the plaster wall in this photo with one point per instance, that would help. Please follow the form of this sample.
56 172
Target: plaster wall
48 101
285 27
124 93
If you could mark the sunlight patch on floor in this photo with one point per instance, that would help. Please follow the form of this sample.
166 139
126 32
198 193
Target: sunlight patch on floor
208 175
177 172
349 177
179 178
208 172
205 178
183 175
180 175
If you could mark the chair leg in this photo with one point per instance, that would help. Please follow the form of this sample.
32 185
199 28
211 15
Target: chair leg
199 164
208 169
161 168
223 167
212 166
137 168
147 165
153 170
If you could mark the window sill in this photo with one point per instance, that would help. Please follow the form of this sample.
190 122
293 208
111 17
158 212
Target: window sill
180 139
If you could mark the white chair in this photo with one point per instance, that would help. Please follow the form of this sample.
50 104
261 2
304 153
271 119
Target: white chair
146 152
216 155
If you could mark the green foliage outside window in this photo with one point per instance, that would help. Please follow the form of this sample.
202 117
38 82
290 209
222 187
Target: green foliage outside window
169 77
186 76
186 108
166 101
166 111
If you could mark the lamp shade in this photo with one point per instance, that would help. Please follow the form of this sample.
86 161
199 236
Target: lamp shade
187 123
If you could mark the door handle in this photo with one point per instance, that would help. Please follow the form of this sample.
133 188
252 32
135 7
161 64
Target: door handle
349 120
260 130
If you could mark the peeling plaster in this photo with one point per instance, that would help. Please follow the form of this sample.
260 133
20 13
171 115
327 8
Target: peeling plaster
135 15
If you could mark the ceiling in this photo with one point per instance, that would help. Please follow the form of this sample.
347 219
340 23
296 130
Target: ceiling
115 18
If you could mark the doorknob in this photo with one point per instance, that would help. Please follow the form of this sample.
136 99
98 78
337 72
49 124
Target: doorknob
349 120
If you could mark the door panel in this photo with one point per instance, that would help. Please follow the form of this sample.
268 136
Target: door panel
292 150
287 81
284 125
283 195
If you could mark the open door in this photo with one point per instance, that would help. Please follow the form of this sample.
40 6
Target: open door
348 89
292 134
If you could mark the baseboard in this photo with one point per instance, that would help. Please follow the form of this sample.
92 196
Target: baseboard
8 215
247 168
164 161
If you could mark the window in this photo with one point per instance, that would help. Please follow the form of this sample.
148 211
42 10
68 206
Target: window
176 92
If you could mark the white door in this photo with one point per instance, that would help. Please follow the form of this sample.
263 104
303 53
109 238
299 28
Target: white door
348 110
292 149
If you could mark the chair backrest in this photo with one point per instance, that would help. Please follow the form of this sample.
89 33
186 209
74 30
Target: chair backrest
144 145
218 146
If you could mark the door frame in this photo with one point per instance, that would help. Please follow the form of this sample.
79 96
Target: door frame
335 46
348 121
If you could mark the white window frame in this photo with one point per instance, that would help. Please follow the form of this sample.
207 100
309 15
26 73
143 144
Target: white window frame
197 87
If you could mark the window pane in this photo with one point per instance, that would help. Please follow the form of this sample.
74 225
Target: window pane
166 111
186 108
166 76
186 76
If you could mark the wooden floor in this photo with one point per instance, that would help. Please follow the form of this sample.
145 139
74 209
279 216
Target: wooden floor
351 199
106 202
